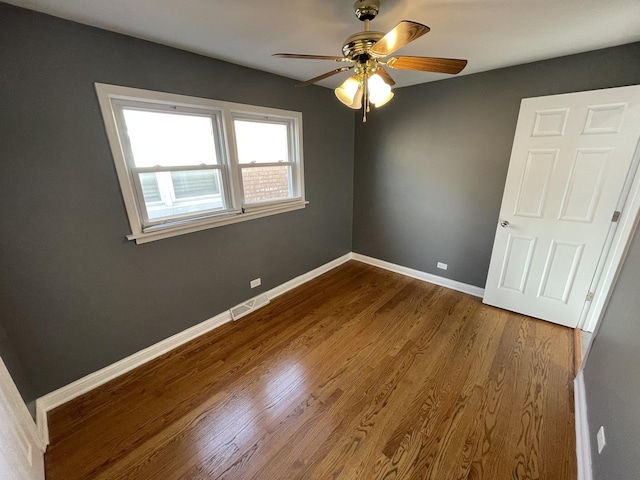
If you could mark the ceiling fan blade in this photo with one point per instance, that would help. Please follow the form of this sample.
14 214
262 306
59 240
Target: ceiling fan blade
308 57
385 76
427 64
402 34
323 76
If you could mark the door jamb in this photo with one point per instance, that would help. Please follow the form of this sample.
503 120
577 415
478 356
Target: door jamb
615 257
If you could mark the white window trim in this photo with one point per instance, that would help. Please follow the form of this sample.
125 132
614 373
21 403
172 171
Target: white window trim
227 111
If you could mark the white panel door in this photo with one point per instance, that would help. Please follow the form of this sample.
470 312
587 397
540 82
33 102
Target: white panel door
570 158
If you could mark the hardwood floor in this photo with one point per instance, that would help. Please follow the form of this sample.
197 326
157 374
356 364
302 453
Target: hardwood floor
358 374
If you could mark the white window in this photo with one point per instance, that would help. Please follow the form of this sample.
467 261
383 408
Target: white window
186 164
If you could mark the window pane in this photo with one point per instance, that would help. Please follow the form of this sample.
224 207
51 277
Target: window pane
178 194
261 142
266 183
168 139
195 183
150 189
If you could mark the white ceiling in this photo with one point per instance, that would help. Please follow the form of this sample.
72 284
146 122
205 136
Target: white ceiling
489 33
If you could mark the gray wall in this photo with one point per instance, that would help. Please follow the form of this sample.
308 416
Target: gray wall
612 374
76 296
430 166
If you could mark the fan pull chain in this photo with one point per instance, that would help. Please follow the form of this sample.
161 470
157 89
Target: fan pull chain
365 103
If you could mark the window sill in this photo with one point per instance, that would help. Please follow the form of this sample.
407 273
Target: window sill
204 224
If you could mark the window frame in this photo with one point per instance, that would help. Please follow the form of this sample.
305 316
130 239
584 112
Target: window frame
291 163
113 99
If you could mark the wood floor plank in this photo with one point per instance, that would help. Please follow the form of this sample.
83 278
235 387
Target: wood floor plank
359 374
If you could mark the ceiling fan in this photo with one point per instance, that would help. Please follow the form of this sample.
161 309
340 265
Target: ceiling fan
368 53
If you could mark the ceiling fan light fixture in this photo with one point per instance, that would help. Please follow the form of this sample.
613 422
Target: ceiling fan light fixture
368 52
379 92
350 93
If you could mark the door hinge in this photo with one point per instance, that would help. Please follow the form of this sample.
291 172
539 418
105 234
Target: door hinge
589 296
616 216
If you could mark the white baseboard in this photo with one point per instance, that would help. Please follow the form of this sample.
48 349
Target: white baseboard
83 385
67 393
427 277
583 445
304 278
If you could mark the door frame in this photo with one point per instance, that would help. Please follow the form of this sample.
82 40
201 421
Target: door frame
22 448
614 258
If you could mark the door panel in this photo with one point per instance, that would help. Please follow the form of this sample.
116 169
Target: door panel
604 118
570 158
535 182
560 270
517 262
550 123
585 183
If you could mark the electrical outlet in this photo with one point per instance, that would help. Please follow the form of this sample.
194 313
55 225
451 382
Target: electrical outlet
442 266
256 283
601 441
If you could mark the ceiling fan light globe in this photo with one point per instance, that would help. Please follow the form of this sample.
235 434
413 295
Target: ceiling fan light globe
357 99
350 93
379 91
384 100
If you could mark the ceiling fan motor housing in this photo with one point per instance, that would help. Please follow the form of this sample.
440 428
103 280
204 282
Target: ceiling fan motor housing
360 44
366 9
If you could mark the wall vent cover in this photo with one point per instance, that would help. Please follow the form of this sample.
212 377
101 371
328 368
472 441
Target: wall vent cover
249 306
